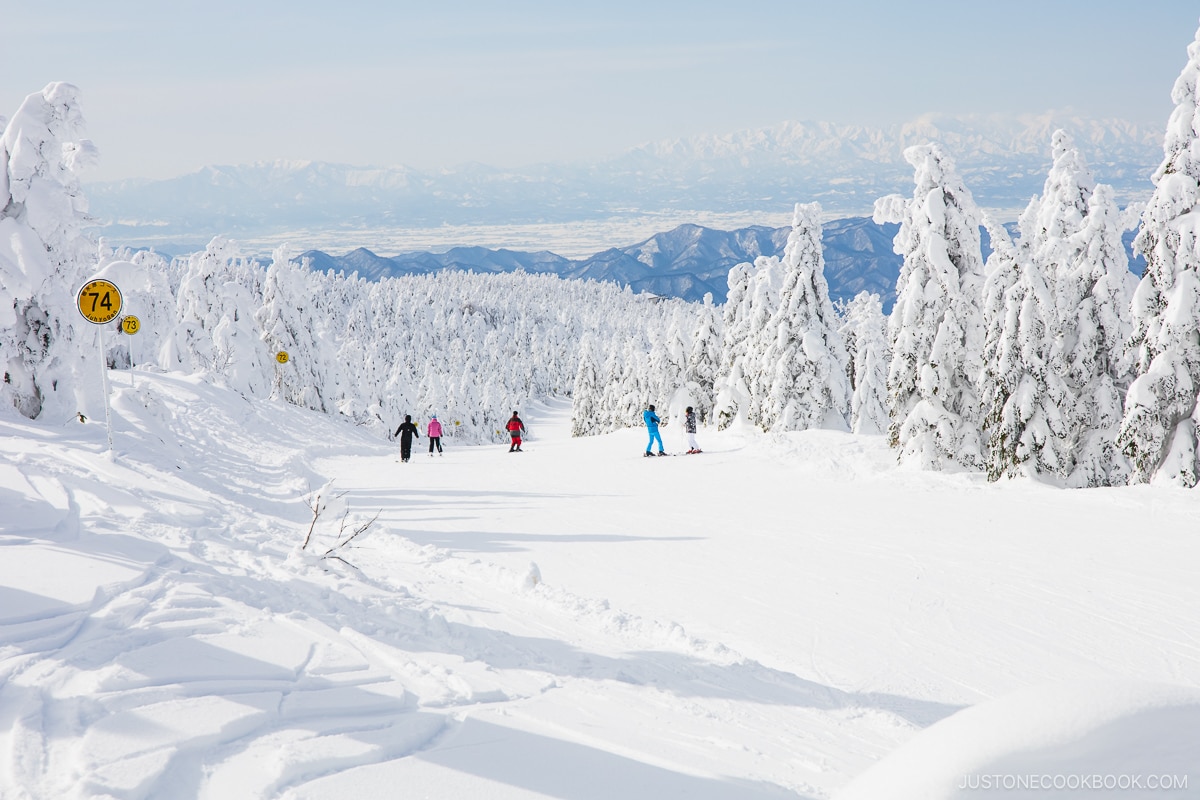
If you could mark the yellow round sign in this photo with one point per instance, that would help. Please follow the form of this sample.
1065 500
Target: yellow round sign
130 324
99 301
282 357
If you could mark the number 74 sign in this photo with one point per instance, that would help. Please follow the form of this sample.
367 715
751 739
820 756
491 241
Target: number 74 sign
99 301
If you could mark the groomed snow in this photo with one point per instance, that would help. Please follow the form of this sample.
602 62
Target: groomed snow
767 619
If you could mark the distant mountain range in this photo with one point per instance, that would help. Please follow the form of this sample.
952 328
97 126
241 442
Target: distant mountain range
687 262
846 168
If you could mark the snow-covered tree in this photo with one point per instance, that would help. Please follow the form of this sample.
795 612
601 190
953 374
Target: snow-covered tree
44 258
216 332
1158 431
144 278
745 379
1024 396
935 329
1051 220
1094 295
610 373
864 328
667 363
631 392
1001 272
585 416
804 361
1076 262
286 326
762 301
704 360
731 392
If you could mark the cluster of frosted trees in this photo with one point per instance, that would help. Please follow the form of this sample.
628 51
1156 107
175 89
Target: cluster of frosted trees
469 348
778 357
1051 359
1019 366
671 362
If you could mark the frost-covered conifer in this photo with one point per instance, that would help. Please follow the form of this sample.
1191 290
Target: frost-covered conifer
733 392
1094 294
1082 263
744 381
667 362
1158 431
1051 220
935 327
1001 271
216 332
44 259
762 301
610 373
631 389
704 359
1024 396
358 395
286 325
803 364
585 417
730 391
865 325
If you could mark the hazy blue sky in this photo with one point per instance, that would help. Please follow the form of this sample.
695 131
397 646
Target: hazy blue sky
169 87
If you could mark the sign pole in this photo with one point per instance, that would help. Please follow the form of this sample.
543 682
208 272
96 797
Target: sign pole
99 301
132 377
104 382
281 358
130 325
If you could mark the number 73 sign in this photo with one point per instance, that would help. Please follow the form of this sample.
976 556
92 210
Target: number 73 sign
99 301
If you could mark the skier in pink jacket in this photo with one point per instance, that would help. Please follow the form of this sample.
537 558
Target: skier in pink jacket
435 435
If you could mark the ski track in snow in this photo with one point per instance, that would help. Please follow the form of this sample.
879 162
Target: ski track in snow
763 620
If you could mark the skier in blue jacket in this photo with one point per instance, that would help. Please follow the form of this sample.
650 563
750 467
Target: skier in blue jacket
652 422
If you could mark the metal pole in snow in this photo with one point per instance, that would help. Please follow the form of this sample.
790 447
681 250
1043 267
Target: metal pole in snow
132 379
104 307
104 383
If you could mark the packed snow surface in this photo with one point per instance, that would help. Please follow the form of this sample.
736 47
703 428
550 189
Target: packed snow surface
1129 740
769 618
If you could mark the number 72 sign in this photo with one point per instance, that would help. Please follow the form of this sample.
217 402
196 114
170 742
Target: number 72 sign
99 301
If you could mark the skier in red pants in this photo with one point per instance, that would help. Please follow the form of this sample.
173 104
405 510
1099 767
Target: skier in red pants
515 429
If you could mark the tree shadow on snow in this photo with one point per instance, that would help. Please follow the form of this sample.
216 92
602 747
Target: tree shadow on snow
500 542
429 502
681 674
156 696
403 497
164 663
572 771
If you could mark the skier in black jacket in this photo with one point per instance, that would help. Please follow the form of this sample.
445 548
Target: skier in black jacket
689 427
406 432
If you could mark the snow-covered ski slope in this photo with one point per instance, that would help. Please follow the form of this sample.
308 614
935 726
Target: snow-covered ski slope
768 619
